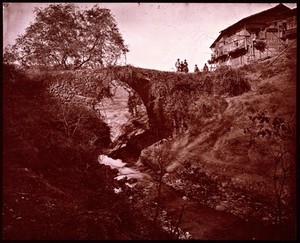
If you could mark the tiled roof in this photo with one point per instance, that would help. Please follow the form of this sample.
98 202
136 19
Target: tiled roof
269 13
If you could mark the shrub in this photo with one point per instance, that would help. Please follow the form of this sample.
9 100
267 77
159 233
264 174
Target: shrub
253 67
174 96
267 72
80 124
230 82
50 155
275 137
203 110
12 75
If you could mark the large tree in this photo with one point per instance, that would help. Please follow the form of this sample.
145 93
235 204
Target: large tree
64 36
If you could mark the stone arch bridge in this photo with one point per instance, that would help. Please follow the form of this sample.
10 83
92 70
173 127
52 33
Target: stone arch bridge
85 86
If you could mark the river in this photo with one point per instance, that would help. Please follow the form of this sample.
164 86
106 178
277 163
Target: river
199 221
123 170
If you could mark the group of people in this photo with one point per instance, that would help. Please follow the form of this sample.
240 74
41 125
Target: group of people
183 67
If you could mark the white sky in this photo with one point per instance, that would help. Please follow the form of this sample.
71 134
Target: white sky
156 33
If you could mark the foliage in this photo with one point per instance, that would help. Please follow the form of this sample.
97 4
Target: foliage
203 110
250 68
50 164
159 168
174 99
260 45
63 36
11 74
52 168
81 124
156 158
280 136
230 81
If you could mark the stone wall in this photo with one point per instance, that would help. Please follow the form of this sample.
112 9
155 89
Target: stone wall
79 87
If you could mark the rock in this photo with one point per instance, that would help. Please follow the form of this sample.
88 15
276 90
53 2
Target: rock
132 180
220 208
117 190
224 184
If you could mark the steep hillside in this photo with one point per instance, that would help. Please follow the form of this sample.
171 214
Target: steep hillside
241 159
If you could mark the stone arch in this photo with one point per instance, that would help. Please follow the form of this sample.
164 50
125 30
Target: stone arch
84 86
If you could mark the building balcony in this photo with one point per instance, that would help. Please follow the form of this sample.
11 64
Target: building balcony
237 49
290 33
221 53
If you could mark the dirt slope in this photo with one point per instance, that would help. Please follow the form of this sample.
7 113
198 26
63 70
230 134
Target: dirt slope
236 172
223 148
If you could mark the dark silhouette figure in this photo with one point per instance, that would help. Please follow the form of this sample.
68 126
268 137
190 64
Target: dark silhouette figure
181 66
185 66
178 65
205 68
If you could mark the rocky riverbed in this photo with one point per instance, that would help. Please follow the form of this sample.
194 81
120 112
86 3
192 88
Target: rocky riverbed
209 210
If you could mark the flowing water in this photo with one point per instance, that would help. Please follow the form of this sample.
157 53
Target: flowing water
121 167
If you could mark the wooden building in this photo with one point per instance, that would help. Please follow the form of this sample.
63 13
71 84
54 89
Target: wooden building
289 20
256 37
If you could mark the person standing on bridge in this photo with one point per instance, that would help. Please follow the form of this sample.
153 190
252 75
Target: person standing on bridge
177 65
185 66
205 68
181 66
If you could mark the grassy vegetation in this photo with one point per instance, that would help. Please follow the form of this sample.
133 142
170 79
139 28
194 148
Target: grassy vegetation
234 147
181 99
